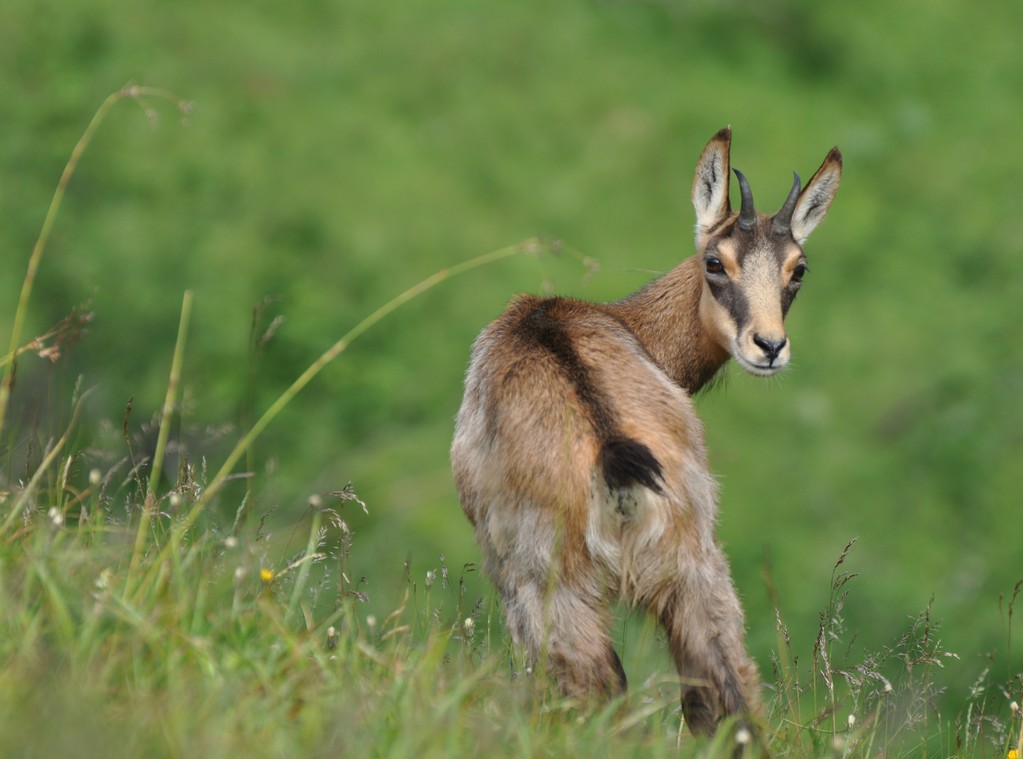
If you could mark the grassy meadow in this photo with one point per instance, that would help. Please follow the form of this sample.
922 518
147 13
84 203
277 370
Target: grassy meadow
184 567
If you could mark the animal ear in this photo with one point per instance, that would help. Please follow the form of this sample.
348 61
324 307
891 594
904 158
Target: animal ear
710 183
816 197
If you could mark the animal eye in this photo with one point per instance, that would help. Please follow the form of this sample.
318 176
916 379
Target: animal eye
714 265
799 272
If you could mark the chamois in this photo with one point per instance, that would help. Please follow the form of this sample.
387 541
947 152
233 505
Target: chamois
581 463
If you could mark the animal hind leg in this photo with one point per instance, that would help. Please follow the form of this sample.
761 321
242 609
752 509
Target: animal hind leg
568 631
704 622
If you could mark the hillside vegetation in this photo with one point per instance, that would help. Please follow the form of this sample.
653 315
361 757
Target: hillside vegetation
294 167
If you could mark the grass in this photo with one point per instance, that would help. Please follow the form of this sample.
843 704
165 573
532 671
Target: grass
341 151
135 621
217 644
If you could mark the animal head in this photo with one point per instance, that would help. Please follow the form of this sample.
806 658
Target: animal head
753 264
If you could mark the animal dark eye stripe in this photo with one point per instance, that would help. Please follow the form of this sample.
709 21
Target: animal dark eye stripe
732 299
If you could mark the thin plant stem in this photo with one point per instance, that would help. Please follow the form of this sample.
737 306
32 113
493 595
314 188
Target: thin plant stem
303 570
532 245
171 398
32 345
131 91
29 489
329 355
149 508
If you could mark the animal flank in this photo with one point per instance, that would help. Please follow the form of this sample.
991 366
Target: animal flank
580 460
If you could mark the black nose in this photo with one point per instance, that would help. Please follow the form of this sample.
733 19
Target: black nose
771 348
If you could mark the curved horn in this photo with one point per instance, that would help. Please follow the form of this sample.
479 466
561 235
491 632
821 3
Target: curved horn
747 213
782 223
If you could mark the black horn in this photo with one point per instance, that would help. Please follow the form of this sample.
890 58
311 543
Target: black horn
747 213
782 222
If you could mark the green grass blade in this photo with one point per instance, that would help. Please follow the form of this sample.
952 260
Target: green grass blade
48 222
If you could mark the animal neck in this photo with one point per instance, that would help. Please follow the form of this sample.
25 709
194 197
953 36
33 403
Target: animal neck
665 316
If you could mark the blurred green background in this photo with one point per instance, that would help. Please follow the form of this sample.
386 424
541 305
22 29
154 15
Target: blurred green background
339 151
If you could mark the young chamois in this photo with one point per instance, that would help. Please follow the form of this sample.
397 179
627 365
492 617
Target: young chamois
580 461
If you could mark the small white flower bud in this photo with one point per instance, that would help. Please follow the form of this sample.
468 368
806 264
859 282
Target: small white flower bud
95 477
55 516
743 736
230 541
430 577
852 721
468 625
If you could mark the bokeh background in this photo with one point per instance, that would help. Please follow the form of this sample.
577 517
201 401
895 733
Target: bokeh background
339 151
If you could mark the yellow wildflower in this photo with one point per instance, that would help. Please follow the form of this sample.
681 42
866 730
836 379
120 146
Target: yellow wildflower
1012 754
266 574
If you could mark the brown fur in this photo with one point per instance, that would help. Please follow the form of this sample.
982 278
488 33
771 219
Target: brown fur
580 460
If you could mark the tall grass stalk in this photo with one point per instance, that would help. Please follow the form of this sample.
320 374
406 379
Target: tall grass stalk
26 493
306 562
130 91
156 470
533 245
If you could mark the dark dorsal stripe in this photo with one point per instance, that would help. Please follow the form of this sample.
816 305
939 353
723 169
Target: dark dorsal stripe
624 461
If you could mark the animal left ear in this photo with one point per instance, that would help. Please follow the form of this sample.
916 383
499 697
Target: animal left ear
816 197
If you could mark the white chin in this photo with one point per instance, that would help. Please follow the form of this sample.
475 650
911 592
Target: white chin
759 369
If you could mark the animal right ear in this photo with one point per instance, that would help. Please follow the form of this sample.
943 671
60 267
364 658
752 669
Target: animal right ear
710 183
